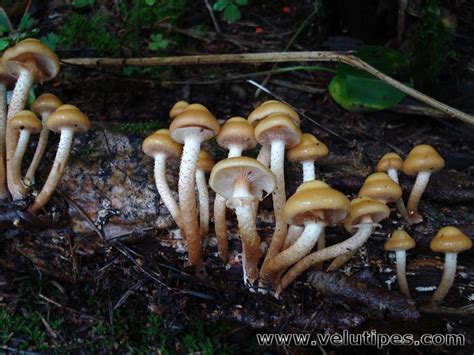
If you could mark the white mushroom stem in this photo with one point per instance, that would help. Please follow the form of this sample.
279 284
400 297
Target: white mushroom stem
400 256
57 170
353 243
449 273
3 126
419 187
393 174
40 149
294 232
321 245
264 155
203 202
16 187
309 172
164 189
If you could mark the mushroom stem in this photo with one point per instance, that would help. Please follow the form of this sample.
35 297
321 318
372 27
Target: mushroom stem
353 243
308 170
321 245
164 189
3 127
419 187
393 174
40 149
203 202
340 261
400 256
57 170
264 155
449 273
16 187
294 232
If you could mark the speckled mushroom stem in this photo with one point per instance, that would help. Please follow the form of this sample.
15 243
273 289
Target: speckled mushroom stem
187 201
400 257
294 232
447 280
392 173
16 187
40 149
164 189
353 243
3 126
340 261
419 187
309 172
203 194
57 170
264 155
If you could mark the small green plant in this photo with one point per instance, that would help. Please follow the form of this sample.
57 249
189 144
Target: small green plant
83 3
141 127
230 9
157 42
9 35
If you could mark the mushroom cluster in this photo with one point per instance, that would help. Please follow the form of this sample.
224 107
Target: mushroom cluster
22 66
301 220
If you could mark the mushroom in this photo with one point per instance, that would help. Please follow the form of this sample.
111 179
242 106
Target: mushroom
177 109
43 106
391 163
161 147
236 135
27 124
365 214
314 205
204 166
399 242
422 160
191 127
6 83
451 241
67 121
279 132
241 181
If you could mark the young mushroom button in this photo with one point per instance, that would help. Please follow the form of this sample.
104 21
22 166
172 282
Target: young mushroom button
177 109
67 122
309 150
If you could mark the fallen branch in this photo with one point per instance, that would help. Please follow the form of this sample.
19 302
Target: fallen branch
276 57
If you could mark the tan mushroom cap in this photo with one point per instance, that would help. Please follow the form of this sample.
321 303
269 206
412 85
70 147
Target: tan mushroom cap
67 107
399 240
226 172
390 161
161 142
178 108
277 127
200 122
46 103
64 118
237 131
205 162
450 240
380 186
34 56
6 79
362 207
312 184
320 204
309 149
270 107
26 120
422 158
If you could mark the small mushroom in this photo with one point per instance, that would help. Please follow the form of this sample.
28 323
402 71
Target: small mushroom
161 147
451 241
241 181
204 166
6 83
422 160
399 242
191 127
306 153
43 106
67 121
27 124
177 109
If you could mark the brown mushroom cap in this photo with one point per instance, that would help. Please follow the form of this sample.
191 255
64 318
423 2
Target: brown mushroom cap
390 161
309 149
312 184
399 240
270 107
178 108
237 131
321 204
68 118
161 142
205 162
26 120
46 103
450 240
226 172
34 56
201 122
422 158
277 127
67 107
380 186
365 206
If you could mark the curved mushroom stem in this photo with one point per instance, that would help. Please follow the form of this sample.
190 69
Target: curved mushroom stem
203 194
3 126
164 189
294 232
340 261
16 187
40 149
309 172
353 243
400 256
399 203
57 170
419 187
187 201
449 273
321 245
264 155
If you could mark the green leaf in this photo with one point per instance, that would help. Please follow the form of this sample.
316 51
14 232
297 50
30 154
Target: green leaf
5 24
4 43
26 23
150 2
31 97
220 5
232 13
51 40
157 42
83 3
241 2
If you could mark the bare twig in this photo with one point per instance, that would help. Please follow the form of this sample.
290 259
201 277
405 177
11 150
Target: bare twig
213 18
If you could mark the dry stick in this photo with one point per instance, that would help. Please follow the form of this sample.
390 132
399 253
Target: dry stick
213 18
275 57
